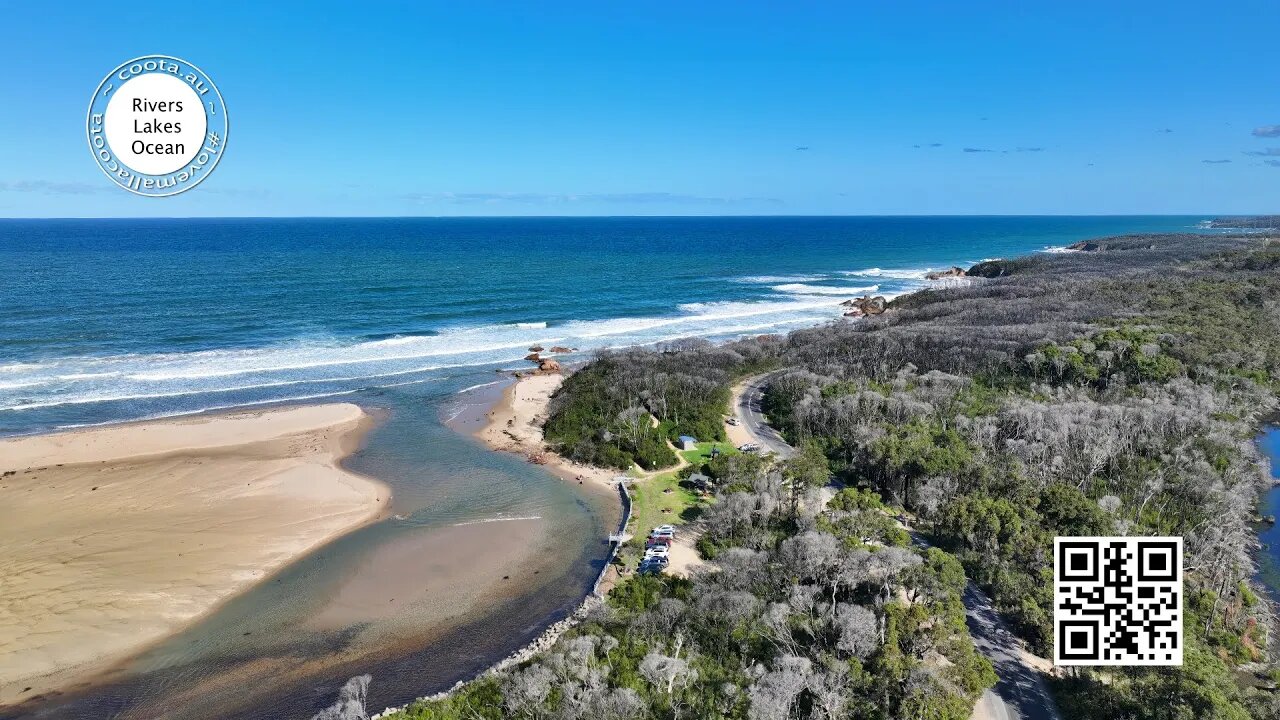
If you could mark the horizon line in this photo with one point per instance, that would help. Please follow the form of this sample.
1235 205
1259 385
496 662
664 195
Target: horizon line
649 217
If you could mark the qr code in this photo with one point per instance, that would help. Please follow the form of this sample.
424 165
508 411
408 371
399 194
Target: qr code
1117 600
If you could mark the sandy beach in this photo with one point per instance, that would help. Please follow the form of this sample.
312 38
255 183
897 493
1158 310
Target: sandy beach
515 425
112 538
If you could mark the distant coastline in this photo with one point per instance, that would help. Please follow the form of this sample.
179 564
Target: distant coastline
1251 222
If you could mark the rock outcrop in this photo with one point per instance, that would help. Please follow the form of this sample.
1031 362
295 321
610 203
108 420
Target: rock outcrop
560 349
989 269
541 644
533 357
549 365
954 272
865 305
1086 246
536 349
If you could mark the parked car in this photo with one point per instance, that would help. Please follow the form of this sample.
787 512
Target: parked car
664 535
664 528
650 542
657 551
733 421
653 566
749 447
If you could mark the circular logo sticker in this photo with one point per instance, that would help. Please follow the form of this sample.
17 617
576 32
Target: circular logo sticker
157 125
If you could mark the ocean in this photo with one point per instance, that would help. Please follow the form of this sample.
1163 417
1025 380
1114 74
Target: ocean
108 320
105 321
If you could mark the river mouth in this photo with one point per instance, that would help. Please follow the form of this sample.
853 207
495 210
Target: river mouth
480 552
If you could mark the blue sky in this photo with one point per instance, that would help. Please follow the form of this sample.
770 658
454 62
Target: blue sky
423 108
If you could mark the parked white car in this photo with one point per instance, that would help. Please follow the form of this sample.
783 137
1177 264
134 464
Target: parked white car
664 529
660 551
733 421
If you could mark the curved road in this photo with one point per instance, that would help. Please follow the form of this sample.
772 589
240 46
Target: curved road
1021 693
750 413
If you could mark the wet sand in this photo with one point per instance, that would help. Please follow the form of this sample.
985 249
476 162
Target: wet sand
477 554
456 568
114 538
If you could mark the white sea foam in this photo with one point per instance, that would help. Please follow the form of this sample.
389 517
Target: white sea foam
88 399
531 325
393 341
726 309
469 388
802 289
266 372
211 408
1057 249
88 375
768 279
891 273
406 383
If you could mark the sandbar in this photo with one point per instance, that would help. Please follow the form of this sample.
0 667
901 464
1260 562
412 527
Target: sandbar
113 538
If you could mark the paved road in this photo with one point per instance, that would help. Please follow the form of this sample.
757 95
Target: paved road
1021 693
751 416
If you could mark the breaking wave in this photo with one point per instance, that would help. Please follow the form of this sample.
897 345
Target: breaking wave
768 279
286 370
802 289
894 274
477 386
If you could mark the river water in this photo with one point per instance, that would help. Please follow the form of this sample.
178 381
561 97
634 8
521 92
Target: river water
1269 534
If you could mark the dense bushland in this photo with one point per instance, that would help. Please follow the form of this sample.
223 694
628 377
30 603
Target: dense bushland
1110 392
625 405
800 615
1115 391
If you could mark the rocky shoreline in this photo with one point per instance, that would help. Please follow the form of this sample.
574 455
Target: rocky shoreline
539 644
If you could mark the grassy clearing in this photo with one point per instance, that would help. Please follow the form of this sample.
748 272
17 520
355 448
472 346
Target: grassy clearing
660 501
703 453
